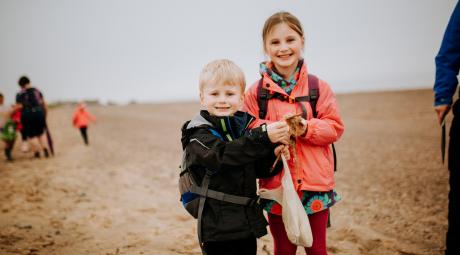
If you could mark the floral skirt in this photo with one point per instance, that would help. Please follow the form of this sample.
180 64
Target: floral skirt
313 201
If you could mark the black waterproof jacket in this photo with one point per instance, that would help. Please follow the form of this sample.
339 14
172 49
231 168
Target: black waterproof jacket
236 157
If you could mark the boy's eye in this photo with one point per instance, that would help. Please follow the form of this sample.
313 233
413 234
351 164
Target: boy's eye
230 94
214 93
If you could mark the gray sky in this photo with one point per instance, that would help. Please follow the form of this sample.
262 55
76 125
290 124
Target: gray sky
143 50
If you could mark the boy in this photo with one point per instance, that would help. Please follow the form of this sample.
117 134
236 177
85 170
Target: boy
218 145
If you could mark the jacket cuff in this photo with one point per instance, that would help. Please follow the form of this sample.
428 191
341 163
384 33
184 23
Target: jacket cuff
443 101
260 133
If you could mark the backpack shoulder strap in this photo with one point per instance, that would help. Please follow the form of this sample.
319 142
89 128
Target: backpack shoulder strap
313 92
202 199
262 99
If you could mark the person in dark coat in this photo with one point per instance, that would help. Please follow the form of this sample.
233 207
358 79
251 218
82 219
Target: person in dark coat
33 116
447 68
217 142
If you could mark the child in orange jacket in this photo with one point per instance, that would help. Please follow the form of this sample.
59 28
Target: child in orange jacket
285 77
81 120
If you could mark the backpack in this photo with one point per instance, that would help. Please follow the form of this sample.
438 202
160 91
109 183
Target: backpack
192 191
263 95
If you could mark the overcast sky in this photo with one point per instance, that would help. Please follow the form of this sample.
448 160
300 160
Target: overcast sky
122 50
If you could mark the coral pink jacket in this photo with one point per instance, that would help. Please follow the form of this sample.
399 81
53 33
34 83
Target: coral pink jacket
81 118
314 170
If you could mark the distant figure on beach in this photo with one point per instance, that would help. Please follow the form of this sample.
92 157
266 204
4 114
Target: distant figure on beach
16 117
81 119
7 129
33 109
288 89
447 68
222 152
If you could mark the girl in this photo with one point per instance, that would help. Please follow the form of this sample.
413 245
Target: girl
285 76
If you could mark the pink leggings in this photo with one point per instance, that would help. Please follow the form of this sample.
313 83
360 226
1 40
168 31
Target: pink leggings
318 223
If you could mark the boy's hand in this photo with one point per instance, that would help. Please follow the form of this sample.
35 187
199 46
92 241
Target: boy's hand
278 132
283 149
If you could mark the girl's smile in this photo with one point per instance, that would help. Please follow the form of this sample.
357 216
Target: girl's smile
284 48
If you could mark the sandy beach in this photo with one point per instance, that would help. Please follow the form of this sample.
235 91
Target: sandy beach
119 195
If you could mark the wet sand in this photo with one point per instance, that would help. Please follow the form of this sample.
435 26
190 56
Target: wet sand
119 195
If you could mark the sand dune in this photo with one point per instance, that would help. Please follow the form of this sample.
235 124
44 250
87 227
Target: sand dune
119 195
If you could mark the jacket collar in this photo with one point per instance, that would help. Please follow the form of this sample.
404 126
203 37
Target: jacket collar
227 128
272 86
235 125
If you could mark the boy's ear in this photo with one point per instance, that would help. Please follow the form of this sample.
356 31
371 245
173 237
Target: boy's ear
201 98
241 101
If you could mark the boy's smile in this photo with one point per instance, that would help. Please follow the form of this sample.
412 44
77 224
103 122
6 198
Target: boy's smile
221 99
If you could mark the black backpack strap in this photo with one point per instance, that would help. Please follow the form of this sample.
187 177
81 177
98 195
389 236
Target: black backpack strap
204 185
335 157
313 93
262 99
240 200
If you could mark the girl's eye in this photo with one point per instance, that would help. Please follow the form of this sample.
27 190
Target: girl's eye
275 42
291 39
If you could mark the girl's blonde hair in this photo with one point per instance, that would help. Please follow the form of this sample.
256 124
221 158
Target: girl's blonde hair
281 17
222 71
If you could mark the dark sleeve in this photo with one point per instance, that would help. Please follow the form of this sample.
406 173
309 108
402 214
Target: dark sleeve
19 98
264 166
448 61
38 96
213 153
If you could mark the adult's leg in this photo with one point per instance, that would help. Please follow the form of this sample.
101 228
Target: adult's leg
247 246
282 245
34 126
453 229
40 125
35 145
318 224
44 144
24 143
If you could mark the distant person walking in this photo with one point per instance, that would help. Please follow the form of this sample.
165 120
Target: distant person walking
81 120
447 68
7 129
33 116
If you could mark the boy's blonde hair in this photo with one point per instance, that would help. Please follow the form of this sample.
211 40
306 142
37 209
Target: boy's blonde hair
222 71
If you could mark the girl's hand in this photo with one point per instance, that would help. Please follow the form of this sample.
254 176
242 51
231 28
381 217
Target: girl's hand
284 149
278 132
